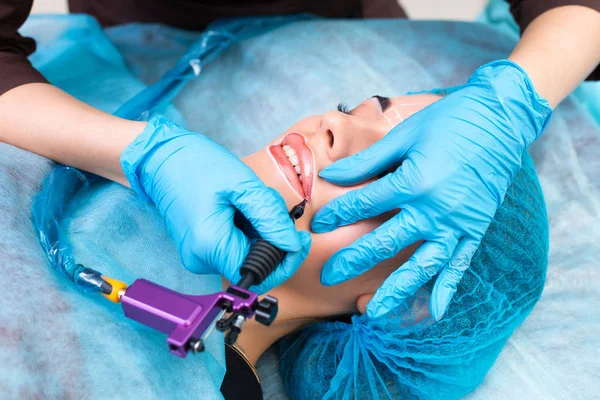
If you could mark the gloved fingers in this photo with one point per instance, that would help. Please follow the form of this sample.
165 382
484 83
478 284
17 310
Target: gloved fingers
216 249
427 261
446 283
267 212
288 267
370 162
384 194
366 252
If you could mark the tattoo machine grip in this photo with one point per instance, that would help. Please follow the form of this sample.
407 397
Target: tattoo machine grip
264 257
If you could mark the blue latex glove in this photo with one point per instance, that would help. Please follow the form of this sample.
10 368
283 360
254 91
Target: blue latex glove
458 158
197 185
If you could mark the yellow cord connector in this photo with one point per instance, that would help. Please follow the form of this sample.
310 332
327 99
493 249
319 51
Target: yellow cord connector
118 288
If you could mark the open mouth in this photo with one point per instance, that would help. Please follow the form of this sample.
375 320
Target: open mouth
295 160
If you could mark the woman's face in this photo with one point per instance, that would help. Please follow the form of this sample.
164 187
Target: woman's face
291 163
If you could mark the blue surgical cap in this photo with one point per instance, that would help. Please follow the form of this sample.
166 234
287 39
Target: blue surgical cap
388 358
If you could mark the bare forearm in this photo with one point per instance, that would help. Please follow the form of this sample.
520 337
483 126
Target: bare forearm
559 49
45 120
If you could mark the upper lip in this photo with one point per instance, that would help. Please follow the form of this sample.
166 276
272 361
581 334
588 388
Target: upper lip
306 163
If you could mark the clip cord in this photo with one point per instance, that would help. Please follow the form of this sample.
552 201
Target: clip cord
48 216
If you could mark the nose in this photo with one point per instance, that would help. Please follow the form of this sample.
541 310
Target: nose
344 135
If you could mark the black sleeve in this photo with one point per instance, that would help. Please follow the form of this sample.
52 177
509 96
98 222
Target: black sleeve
15 68
241 381
525 11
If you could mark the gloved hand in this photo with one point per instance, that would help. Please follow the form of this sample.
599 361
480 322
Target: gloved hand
458 158
197 185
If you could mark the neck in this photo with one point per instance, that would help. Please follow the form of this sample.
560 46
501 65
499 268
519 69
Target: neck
255 338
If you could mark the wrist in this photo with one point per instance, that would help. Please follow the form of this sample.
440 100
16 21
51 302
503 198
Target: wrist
122 135
135 157
511 86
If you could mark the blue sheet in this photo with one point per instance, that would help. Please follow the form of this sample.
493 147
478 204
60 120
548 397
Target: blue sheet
51 343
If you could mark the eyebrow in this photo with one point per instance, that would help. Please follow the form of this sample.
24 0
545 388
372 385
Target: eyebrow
383 101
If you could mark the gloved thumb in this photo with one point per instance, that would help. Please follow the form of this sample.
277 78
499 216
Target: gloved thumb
370 162
288 266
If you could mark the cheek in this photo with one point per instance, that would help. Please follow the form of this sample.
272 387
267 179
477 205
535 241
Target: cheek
329 300
326 244
324 192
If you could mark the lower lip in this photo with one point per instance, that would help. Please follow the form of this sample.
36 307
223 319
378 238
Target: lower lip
298 143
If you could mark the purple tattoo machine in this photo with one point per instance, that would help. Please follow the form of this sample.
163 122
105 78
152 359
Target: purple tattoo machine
189 320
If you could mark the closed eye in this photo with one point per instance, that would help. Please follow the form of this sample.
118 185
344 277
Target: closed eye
384 102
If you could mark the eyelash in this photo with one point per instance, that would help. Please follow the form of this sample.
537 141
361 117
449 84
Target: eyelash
343 108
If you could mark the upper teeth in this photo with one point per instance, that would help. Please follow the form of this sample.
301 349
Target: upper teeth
291 155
